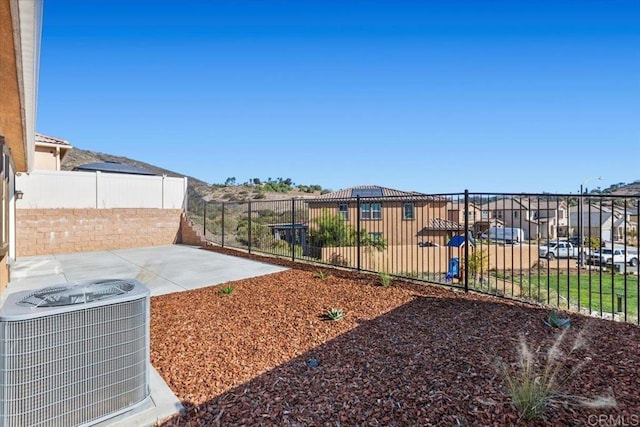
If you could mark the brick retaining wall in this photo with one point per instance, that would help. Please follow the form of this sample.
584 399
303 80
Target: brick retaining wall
57 231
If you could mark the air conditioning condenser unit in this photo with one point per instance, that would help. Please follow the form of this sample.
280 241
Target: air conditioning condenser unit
74 354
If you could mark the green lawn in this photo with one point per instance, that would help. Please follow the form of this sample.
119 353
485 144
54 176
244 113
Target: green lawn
599 292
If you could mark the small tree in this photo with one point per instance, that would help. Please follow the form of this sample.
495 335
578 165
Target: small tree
593 243
332 230
478 262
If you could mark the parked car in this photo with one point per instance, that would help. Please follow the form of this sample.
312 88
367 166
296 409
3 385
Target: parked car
614 256
575 241
553 250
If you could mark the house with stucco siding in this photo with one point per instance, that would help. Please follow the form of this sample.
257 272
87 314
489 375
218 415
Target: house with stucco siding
398 217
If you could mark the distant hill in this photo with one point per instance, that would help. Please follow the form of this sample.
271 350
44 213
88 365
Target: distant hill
632 189
198 190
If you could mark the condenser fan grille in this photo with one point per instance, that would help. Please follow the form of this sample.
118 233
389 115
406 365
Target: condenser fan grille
57 296
74 354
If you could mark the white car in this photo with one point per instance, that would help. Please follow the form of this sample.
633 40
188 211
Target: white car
613 256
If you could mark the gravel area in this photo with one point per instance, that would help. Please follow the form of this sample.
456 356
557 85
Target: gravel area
403 355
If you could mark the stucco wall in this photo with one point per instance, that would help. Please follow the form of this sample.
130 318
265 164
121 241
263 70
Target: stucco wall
56 231
46 158
414 259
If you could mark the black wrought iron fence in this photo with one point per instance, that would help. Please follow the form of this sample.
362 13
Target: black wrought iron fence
575 252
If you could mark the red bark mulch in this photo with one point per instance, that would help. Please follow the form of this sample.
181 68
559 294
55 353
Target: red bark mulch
404 355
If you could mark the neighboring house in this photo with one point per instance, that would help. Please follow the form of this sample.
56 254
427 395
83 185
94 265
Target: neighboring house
537 217
398 217
551 214
456 213
603 222
512 212
20 26
113 167
49 152
291 233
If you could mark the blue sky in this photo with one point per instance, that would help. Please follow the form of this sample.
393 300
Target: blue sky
434 96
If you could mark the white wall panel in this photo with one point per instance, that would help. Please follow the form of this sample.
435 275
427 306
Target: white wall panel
79 190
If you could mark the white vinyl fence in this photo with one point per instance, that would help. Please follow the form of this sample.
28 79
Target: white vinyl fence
99 190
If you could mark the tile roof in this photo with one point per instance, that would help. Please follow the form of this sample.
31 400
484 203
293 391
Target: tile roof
506 204
45 139
347 193
443 224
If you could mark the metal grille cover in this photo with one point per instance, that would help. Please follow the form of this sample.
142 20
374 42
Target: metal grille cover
74 364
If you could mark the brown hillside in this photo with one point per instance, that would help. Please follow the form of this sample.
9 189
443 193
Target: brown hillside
198 190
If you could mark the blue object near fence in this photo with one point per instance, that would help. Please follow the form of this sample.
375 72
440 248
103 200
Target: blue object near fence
454 267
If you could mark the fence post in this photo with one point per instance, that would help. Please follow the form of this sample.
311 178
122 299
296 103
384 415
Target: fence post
223 224
249 226
466 240
358 230
204 220
293 229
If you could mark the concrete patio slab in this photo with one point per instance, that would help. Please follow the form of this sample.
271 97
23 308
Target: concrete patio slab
163 269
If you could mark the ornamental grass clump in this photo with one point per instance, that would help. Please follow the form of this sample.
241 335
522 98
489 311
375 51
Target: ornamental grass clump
385 279
534 383
335 314
227 290
322 274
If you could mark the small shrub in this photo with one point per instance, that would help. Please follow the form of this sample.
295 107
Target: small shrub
335 314
227 290
339 260
385 279
322 274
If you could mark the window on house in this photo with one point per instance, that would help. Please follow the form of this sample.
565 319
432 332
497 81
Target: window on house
515 214
371 211
343 210
408 211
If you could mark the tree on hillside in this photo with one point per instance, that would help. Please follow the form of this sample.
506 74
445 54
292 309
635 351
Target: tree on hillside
230 181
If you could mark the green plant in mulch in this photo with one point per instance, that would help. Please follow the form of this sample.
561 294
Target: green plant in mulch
335 314
534 383
553 321
322 274
227 290
385 279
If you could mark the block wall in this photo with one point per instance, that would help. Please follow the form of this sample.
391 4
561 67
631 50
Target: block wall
57 231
